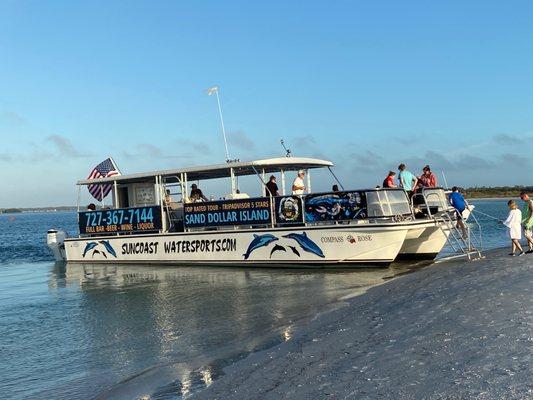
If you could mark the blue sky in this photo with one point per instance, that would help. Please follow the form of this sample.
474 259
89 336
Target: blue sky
365 84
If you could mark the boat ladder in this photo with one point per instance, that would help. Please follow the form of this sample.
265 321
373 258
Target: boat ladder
468 243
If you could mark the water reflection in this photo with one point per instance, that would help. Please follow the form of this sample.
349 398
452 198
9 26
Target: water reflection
164 332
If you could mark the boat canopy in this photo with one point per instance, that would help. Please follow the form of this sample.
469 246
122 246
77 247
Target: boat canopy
239 168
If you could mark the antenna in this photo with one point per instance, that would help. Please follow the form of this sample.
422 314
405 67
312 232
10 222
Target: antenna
214 90
445 181
287 151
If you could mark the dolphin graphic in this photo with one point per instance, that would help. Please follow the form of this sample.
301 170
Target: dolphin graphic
259 241
109 248
305 243
277 247
88 247
294 250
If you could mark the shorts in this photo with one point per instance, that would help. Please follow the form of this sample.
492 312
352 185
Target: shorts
528 232
459 214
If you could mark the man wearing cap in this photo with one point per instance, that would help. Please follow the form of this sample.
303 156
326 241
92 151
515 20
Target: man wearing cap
298 187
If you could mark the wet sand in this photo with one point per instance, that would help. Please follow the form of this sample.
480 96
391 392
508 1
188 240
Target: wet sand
454 330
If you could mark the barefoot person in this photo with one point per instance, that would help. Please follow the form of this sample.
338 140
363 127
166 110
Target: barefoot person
527 220
514 225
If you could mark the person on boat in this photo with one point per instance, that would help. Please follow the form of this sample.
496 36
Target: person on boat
527 221
168 201
514 227
271 187
91 207
407 180
459 203
389 180
298 187
335 189
428 178
196 194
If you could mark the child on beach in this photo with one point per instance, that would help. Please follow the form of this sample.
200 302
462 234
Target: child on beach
514 225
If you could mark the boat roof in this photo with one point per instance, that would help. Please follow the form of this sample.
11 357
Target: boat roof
240 168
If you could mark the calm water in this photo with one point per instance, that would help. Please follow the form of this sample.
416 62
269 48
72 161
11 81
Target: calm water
88 331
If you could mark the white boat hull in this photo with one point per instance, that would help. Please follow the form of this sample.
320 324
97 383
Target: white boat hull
423 243
335 244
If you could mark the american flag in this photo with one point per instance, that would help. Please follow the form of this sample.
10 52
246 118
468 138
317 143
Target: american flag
105 169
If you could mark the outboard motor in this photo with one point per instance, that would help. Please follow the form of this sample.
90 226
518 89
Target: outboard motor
55 240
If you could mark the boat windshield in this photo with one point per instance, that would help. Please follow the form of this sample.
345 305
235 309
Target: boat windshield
387 203
436 197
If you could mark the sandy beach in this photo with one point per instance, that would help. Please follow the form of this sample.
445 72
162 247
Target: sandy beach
454 330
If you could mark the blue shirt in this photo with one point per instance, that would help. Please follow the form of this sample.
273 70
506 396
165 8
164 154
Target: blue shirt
458 201
406 180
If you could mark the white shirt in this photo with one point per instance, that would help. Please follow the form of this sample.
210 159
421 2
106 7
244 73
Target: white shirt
299 182
514 223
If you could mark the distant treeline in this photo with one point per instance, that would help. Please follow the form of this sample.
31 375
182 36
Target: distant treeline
498 191
10 210
36 209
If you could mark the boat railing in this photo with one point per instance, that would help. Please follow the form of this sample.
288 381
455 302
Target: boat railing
433 204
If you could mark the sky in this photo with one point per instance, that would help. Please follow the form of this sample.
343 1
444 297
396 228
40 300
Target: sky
366 85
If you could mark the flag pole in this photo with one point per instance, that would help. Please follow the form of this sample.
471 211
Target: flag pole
115 165
215 90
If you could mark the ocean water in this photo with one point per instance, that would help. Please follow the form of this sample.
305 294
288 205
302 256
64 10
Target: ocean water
130 332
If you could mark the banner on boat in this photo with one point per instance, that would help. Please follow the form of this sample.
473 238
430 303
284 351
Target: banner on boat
228 212
136 219
289 210
340 206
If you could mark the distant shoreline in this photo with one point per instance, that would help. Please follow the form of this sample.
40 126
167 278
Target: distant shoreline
493 194
491 198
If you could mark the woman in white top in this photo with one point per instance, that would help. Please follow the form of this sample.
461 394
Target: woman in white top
514 225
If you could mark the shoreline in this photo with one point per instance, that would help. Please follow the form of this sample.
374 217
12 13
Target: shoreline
433 328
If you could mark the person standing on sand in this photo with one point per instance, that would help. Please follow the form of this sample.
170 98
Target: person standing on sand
407 180
514 225
528 220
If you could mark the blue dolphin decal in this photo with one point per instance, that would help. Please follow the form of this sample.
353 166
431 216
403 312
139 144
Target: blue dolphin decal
305 243
109 248
259 241
88 247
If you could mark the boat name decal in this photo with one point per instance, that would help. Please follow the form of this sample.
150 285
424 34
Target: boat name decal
332 239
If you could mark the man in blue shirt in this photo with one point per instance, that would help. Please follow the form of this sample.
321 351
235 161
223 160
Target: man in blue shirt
459 203
407 180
